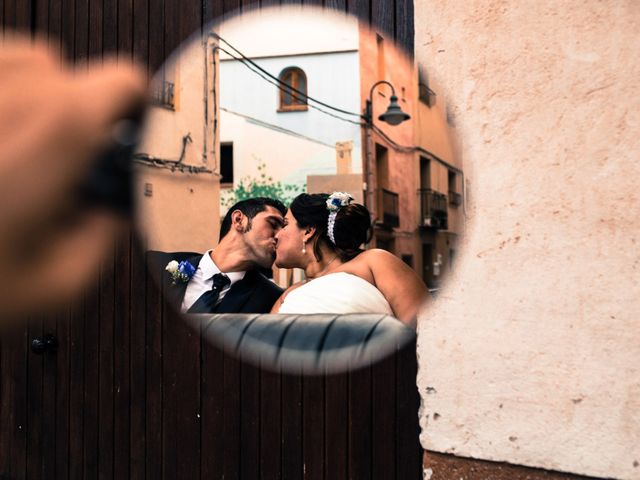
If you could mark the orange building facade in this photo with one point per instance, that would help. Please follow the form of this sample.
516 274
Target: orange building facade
413 180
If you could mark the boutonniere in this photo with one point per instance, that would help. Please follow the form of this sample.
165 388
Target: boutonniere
180 272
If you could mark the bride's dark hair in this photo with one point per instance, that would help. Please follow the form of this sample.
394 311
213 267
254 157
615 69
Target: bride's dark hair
352 227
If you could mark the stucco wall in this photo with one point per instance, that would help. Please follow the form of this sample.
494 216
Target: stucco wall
182 212
531 354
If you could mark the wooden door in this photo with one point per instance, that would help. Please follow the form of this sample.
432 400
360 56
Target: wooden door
131 391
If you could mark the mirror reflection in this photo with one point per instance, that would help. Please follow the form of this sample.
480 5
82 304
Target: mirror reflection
296 161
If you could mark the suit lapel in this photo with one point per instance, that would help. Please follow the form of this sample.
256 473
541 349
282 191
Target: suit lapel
238 295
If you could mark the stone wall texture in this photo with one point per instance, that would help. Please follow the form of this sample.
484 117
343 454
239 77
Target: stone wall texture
531 352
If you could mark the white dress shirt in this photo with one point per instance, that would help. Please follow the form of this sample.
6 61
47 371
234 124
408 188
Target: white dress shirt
202 281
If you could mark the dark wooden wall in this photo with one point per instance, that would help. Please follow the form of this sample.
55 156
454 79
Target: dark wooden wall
132 391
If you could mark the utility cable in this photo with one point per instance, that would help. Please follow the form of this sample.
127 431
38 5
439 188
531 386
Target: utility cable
289 87
277 83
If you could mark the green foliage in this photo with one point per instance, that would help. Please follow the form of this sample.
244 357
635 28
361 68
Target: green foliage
263 186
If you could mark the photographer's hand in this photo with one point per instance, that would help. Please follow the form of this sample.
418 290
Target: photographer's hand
53 123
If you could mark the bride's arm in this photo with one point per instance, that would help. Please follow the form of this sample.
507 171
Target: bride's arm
276 306
401 286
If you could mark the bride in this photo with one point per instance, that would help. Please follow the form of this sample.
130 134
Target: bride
322 234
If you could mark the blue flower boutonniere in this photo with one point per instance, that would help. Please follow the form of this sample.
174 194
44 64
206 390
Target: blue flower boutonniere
180 272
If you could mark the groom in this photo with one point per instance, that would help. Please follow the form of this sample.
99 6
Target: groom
227 279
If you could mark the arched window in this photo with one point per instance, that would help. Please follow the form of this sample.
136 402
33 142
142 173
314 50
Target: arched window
290 100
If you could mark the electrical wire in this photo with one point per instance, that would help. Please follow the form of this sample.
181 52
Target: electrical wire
289 87
173 165
286 88
396 146
268 77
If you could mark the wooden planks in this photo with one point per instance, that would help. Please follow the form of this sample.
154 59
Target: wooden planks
122 359
137 357
154 391
250 421
336 417
291 411
404 26
57 388
407 403
313 427
212 390
134 392
72 456
271 420
36 410
383 17
360 424
13 410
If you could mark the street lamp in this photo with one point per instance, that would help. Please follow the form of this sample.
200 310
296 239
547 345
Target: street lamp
393 116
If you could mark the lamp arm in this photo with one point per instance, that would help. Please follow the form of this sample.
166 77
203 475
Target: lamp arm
368 112
380 82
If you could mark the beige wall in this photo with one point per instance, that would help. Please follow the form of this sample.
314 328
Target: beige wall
182 212
531 354
349 182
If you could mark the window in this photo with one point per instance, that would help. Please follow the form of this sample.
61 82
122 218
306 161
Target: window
226 164
162 95
454 197
163 91
290 100
451 177
425 173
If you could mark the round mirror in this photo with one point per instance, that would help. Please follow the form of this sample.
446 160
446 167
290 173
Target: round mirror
298 189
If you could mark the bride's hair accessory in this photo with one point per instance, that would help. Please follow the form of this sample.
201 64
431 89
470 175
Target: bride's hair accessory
335 202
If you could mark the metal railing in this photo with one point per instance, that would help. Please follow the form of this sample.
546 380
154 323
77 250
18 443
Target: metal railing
433 209
388 208
455 198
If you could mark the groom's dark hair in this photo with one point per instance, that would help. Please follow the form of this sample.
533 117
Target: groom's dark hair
250 208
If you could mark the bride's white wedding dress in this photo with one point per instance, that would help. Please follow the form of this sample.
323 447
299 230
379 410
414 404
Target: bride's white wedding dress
339 292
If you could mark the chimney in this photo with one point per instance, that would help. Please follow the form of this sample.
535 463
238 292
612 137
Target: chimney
343 157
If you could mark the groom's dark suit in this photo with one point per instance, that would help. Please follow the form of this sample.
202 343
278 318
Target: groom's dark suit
255 293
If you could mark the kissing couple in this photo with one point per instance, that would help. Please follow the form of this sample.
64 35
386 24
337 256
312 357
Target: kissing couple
321 234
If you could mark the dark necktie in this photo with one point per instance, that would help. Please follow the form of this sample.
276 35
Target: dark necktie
207 301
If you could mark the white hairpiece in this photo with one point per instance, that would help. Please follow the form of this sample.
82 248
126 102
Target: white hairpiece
335 202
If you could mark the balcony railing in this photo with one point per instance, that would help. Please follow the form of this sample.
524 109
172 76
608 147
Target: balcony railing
388 208
163 95
455 198
433 208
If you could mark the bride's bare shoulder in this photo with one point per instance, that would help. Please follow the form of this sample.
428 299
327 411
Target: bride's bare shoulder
382 263
294 286
370 263
376 255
